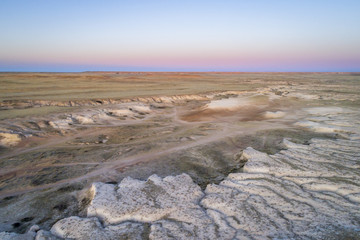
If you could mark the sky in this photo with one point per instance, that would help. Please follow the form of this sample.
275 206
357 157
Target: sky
180 35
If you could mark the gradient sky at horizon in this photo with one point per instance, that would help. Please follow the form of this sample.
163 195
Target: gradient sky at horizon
165 35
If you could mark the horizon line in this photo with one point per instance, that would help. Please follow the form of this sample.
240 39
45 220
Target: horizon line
169 71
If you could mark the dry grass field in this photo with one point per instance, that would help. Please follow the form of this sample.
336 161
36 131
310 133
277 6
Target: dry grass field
103 85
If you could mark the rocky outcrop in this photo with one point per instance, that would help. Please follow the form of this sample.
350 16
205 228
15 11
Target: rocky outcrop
277 114
342 121
20 104
91 228
170 204
9 139
301 192
297 193
12 132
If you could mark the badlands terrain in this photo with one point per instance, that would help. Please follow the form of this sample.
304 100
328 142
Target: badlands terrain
116 155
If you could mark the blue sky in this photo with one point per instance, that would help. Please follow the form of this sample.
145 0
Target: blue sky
175 35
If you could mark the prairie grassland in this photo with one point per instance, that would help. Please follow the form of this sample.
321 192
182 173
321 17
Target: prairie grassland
103 85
